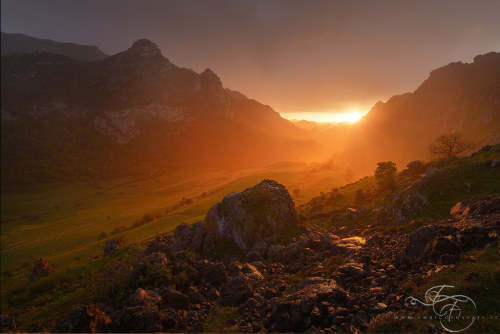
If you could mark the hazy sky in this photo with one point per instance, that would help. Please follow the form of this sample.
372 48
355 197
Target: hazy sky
296 56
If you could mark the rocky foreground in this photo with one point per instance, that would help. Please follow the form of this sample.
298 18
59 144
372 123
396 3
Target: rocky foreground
340 279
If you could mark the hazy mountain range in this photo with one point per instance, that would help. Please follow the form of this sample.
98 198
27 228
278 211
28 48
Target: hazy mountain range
19 43
134 108
458 96
136 111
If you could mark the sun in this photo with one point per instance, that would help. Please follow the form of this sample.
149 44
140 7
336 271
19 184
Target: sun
326 117
352 117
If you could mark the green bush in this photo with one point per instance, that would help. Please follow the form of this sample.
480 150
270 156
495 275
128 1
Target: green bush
219 316
102 235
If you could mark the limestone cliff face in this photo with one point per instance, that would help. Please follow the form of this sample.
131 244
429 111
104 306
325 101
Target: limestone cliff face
140 100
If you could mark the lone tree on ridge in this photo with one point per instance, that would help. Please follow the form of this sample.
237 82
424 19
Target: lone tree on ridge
449 145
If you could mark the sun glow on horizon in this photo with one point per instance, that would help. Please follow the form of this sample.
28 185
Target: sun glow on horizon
325 117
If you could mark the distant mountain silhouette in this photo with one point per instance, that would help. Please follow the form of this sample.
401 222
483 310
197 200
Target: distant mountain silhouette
458 96
19 43
140 103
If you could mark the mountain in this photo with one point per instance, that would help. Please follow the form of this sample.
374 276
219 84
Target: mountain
19 43
134 106
458 96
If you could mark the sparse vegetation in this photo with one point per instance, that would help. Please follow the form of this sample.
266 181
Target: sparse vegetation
385 174
449 145
217 321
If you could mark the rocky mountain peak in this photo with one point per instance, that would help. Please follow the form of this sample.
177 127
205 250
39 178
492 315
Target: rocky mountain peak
211 82
144 48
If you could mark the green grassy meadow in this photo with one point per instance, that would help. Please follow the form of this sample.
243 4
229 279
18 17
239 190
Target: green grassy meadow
63 222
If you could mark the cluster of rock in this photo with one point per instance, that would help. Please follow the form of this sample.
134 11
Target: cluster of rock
473 224
338 280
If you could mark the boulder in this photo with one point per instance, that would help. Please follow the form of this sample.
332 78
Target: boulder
156 258
172 299
143 298
419 241
379 308
275 253
159 244
214 273
251 272
40 268
265 210
112 245
442 247
236 291
353 269
212 294
86 319
190 238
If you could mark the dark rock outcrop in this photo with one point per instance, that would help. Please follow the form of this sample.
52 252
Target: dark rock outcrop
172 299
143 298
265 210
419 241
86 319
190 238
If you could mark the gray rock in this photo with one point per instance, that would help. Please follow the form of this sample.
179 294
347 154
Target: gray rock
86 319
442 246
212 294
265 210
234 269
418 241
190 238
275 253
495 164
251 272
143 298
379 308
156 258
173 299
215 273
236 291
353 269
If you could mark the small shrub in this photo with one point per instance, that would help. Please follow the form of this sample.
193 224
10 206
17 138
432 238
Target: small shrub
102 235
147 218
137 223
225 247
219 316
119 229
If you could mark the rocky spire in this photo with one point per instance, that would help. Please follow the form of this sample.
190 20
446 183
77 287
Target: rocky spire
144 48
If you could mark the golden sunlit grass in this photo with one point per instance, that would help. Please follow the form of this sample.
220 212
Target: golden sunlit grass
326 117
63 223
